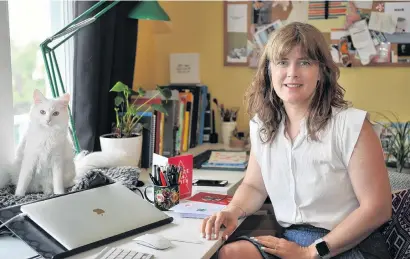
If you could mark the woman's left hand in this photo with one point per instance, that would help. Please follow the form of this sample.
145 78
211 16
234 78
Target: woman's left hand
283 248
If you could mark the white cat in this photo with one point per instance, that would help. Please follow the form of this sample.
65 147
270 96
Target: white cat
45 159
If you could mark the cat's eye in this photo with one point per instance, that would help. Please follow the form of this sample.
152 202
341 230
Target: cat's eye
43 112
56 113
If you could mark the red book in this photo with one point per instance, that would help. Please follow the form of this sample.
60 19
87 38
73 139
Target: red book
213 198
185 180
186 163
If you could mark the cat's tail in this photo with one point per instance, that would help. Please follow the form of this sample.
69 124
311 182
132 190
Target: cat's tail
85 161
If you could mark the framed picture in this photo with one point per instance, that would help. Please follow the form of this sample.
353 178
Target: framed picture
236 24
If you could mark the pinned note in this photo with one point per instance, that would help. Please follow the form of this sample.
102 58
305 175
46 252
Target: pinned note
362 41
382 22
367 4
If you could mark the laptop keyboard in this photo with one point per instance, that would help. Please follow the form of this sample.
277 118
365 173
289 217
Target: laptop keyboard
119 253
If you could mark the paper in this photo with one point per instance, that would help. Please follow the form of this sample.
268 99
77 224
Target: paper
382 22
184 68
193 209
262 35
299 12
336 34
362 41
364 4
401 11
335 55
237 18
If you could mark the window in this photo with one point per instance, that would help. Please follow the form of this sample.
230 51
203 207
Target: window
30 23
6 97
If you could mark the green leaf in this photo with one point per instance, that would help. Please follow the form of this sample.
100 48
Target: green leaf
132 92
132 110
160 108
118 100
119 87
165 92
141 91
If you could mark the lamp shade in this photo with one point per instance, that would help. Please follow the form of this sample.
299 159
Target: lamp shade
148 10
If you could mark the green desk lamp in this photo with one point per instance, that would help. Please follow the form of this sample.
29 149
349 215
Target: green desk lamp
148 10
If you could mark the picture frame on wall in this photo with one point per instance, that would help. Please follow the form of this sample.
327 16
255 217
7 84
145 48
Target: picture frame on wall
236 22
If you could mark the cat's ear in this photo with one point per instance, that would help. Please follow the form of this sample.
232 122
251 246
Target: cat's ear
65 99
38 97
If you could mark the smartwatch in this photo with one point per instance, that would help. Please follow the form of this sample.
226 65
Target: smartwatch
322 249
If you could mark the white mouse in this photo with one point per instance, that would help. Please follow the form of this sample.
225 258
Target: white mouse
154 241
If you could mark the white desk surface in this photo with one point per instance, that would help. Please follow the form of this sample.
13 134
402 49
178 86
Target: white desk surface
188 229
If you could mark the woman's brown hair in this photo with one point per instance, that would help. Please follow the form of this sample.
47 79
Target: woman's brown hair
261 99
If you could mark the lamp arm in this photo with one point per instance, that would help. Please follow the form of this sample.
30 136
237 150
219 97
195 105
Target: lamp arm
76 24
74 28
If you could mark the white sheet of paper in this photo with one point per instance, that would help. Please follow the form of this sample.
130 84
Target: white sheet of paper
336 35
383 22
364 4
362 41
237 16
158 160
335 55
299 12
399 10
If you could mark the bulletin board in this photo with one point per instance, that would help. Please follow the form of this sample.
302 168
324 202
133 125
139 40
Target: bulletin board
359 33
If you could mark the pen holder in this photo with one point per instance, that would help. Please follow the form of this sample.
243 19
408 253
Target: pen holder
165 197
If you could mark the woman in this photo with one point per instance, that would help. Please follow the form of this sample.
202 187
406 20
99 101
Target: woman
319 160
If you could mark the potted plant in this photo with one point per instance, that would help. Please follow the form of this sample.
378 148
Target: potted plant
126 135
395 142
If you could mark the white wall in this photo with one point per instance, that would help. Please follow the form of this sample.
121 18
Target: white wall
6 91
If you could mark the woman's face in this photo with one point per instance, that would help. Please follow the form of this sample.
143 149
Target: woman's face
295 77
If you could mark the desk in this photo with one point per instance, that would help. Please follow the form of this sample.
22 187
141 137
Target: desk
180 227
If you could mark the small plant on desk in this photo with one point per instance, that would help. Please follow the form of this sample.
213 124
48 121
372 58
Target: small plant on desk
127 115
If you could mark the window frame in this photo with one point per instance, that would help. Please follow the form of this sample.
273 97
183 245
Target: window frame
6 88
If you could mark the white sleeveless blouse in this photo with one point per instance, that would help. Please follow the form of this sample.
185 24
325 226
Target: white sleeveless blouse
308 181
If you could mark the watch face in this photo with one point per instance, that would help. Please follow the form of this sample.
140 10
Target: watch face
322 248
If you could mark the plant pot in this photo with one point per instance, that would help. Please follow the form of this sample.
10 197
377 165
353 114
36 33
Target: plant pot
227 129
131 146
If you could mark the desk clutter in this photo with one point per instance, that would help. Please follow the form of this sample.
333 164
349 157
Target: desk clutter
359 33
202 205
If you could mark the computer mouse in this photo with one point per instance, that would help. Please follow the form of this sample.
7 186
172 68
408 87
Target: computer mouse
154 241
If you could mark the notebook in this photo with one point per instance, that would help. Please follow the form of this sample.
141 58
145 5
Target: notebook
85 217
229 160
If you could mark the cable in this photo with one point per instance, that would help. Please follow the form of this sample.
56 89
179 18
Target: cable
21 215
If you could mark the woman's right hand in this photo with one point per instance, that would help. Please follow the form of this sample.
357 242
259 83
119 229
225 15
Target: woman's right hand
211 225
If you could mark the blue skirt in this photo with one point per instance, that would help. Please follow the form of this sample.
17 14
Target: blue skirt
373 247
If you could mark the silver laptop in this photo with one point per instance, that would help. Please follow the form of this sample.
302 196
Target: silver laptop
85 217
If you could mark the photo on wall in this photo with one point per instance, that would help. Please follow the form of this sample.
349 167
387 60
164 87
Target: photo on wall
262 35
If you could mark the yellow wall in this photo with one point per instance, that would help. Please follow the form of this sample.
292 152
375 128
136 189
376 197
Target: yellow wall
198 27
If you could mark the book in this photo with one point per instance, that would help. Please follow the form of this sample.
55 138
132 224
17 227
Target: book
228 158
184 161
213 198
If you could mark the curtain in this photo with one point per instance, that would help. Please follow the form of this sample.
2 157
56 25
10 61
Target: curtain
104 53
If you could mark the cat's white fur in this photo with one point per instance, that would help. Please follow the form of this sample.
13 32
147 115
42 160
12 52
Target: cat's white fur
45 160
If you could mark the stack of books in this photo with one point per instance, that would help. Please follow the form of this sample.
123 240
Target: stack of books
202 205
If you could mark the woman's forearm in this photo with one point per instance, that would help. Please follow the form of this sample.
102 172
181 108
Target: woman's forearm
355 228
247 200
